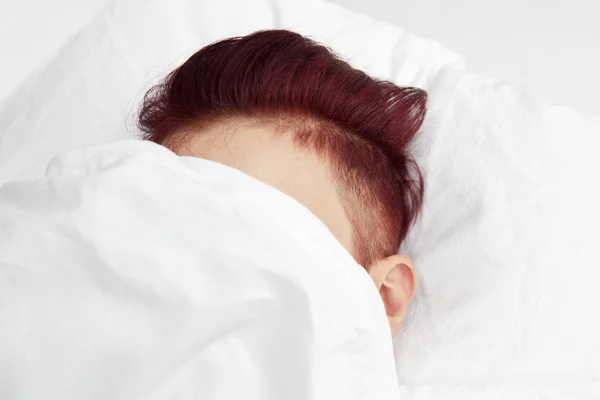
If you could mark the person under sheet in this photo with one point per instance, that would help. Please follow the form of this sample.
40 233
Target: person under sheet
285 110
275 108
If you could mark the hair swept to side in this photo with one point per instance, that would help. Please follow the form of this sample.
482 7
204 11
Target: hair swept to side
361 125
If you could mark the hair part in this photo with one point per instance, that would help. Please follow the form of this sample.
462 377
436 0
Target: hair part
360 125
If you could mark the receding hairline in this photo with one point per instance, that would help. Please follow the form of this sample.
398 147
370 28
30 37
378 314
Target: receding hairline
363 129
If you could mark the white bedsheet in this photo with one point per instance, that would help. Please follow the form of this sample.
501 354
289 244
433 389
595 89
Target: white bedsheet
131 273
506 249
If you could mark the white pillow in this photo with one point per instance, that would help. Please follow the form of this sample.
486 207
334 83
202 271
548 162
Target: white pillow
506 249
507 305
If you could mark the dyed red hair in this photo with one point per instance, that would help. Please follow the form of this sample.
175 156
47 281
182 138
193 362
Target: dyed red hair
360 125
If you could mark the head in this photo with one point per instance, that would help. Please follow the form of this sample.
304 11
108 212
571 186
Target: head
286 110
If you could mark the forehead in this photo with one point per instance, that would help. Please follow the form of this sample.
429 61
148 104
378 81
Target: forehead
263 151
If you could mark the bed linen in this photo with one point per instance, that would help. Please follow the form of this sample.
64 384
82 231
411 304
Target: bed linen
507 304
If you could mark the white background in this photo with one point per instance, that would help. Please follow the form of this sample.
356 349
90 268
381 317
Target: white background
550 46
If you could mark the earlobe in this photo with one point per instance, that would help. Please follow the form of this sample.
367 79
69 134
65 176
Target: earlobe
395 278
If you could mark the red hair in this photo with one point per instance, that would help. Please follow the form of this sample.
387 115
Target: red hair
362 126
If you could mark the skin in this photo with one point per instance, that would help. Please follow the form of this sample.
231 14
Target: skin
255 148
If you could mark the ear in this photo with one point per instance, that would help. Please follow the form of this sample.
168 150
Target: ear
395 279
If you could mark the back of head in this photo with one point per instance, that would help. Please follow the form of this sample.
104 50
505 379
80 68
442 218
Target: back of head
359 125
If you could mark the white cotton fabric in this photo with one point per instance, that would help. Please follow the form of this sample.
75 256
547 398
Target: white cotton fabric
506 249
507 303
131 273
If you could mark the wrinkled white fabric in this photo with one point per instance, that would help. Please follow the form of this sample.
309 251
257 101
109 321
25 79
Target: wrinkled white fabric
507 302
131 273
506 249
